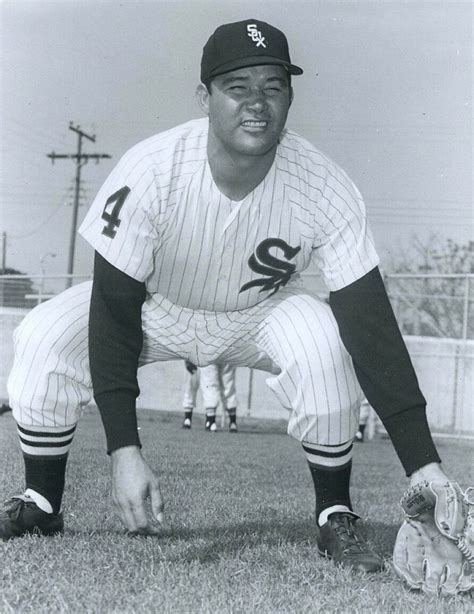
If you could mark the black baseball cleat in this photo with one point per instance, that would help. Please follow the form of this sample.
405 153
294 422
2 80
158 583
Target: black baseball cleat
211 426
233 427
339 539
4 409
187 423
21 516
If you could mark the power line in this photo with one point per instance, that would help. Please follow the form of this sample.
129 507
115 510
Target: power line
414 200
44 222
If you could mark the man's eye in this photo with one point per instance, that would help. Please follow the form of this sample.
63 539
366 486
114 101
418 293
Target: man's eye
237 88
273 90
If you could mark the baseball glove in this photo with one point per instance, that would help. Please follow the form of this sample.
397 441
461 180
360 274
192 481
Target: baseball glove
434 549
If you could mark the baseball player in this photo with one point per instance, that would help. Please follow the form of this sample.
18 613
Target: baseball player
364 415
217 384
200 235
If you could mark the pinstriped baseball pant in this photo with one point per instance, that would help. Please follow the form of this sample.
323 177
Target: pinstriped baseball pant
292 335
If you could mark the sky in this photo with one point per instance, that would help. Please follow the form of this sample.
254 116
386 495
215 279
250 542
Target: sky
386 93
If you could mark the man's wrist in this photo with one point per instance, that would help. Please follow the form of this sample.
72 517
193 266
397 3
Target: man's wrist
119 417
116 441
124 451
430 472
412 440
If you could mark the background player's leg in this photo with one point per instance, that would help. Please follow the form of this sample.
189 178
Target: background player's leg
191 384
211 394
363 420
227 379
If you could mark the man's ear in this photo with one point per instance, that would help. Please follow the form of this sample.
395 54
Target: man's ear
292 95
202 96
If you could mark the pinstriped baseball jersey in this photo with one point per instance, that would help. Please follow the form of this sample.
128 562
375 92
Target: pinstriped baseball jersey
160 218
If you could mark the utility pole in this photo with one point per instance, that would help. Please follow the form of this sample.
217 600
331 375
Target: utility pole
80 159
4 251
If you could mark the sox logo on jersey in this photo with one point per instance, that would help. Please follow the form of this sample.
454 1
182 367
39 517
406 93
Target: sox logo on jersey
278 272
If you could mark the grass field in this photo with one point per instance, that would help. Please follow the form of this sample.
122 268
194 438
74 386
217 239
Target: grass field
239 535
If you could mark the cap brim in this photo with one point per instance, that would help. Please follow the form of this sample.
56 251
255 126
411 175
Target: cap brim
257 60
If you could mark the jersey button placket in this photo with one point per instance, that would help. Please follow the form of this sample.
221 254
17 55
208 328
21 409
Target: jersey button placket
227 254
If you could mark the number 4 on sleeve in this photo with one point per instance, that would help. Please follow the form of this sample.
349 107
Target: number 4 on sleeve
112 210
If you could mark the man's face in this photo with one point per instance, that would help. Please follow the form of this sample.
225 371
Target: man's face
247 108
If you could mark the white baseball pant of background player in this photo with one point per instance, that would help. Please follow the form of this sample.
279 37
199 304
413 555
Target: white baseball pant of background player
217 383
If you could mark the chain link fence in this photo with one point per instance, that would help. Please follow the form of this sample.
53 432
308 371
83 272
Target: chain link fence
436 316
433 305
27 291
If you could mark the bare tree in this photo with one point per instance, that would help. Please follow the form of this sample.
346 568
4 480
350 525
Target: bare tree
435 305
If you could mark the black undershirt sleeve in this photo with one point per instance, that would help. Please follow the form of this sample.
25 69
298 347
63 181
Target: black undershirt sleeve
371 335
115 343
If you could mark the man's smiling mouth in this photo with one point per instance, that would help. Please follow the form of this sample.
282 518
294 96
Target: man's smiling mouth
253 123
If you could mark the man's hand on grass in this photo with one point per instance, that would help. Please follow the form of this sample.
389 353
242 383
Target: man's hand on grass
132 483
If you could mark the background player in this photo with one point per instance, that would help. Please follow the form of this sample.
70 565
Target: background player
217 384
200 235
364 415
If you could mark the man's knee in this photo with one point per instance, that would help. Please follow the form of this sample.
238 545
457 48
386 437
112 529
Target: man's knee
309 337
49 382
